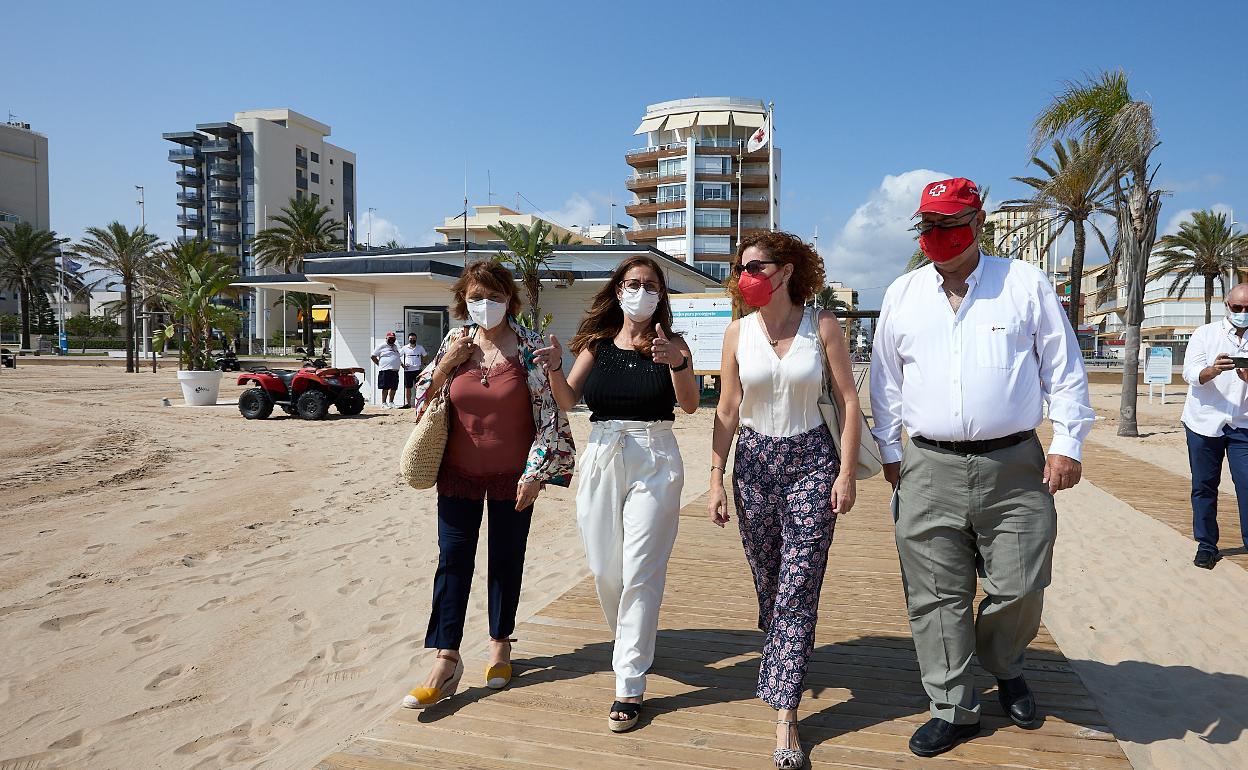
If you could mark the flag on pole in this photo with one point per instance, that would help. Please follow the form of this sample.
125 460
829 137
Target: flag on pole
760 138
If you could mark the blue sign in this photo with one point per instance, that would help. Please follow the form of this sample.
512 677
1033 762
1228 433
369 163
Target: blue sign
64 344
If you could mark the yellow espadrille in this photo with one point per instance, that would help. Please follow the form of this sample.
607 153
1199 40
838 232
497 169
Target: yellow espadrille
498 675
423 697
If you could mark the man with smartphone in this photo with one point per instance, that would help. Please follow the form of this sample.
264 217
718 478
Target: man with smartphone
1215 418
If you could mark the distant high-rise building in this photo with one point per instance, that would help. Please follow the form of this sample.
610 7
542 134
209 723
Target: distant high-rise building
23 176
697 189
1026 236
235 176
23 186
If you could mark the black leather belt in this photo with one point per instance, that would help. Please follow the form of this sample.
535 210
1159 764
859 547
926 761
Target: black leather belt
979 447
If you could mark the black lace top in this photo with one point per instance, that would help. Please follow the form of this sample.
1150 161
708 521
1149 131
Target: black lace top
625 385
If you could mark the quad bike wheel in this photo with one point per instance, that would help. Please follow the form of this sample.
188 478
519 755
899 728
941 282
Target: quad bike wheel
255 404
350 403
312 405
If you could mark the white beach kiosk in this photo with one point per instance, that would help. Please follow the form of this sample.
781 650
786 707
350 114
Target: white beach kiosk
408 290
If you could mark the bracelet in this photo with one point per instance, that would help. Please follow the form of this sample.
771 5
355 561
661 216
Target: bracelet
684 364
718 468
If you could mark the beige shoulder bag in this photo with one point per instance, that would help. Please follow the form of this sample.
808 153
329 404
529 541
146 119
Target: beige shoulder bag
869 461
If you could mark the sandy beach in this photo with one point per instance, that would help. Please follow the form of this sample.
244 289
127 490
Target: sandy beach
182 588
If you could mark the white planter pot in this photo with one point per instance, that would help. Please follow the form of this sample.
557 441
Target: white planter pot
200 388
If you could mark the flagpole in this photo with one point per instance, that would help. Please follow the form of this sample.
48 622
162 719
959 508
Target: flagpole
465 213
771 171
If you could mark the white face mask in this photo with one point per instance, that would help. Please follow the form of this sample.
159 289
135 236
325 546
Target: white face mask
638 305
486 313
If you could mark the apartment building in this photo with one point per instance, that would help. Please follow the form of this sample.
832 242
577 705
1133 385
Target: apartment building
23 186
1023 235
477 227
235 176
696 188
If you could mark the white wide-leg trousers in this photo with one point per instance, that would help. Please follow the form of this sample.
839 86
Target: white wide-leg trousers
628 509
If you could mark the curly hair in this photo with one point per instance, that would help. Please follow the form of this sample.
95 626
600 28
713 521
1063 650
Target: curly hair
808 276
604 319
490 275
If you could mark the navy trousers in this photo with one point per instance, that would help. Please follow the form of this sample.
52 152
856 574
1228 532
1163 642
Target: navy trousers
459 524
1205 455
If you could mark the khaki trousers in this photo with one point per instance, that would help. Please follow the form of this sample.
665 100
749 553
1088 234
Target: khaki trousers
958 514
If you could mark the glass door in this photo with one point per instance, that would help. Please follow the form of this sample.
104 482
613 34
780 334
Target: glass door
429 325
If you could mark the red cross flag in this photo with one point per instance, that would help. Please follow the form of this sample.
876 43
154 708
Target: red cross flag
759 139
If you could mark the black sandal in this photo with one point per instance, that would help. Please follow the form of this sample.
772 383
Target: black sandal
630 710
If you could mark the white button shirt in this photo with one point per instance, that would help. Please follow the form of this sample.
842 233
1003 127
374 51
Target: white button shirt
1223 400
983 373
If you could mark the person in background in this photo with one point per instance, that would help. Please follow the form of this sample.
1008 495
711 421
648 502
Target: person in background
413 354
1215 418
968 350
631 368
506 441
788 482
388 359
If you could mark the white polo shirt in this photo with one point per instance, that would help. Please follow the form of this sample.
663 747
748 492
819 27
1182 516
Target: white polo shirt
1223 400
982 373
413 355
388 357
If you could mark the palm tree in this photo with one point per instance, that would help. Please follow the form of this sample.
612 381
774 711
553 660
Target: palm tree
28 266
1205 246
188 278
1121 130
304 227
1076 186
826 299
529 250
123 254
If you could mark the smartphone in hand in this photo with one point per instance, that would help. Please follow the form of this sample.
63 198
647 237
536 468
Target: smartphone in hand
1241 362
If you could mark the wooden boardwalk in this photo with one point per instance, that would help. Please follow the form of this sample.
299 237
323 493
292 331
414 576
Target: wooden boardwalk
863 700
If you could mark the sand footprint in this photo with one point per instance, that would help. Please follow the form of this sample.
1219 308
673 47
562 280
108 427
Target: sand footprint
303 622
212 604
345 651
351 587
95 548
145 643
67 621
163 678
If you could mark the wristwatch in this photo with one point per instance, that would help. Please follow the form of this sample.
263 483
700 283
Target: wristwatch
683 365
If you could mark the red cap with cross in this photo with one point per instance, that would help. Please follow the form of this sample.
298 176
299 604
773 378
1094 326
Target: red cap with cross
949 196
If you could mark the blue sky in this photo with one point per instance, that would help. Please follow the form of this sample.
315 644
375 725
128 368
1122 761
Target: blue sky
872 100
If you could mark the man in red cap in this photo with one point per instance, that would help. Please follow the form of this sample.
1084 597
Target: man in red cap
388 359
968 350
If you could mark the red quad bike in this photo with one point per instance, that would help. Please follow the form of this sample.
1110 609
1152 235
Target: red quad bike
308 391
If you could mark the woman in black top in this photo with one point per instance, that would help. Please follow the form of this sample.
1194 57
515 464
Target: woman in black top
632 369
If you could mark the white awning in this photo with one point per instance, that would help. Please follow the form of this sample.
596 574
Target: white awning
681 121
748 119
649 124
713 118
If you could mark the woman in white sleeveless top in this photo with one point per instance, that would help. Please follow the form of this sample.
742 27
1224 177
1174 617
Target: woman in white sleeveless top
788 483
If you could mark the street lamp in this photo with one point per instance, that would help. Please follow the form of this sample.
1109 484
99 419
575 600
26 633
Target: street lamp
142 207
368 239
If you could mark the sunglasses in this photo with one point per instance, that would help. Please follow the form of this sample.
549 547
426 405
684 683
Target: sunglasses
962 221
1237 308
754 266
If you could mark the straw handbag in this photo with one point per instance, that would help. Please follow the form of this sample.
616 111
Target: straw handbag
869 461
422 454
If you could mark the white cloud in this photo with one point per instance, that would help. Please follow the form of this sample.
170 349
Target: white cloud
876 242
576 211
1172 226
382 230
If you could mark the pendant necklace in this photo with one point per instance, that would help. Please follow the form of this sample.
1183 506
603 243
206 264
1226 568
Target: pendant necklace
485 370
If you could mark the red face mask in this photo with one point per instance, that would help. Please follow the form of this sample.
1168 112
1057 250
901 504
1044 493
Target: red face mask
942 244
756 290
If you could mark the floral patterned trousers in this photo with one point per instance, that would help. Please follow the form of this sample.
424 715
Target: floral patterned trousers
783 491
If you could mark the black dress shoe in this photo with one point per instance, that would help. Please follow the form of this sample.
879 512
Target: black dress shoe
1017 701
1205 559
938 736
